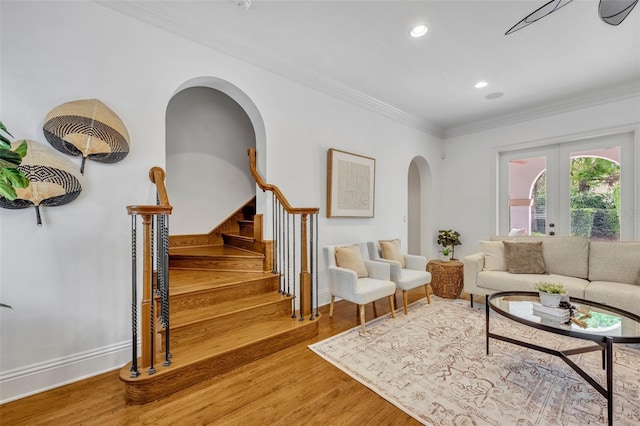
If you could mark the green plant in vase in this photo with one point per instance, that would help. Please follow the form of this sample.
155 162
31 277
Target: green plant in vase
550 293
448 239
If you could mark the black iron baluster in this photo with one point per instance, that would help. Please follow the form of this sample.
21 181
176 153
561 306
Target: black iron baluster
165 274
134 299
317 255
152 308
311 265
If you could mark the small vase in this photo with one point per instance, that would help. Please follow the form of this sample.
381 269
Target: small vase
445 257
550 299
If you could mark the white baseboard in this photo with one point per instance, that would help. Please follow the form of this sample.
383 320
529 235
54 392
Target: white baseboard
32 379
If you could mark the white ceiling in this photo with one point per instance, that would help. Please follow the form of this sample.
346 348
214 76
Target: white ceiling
361 51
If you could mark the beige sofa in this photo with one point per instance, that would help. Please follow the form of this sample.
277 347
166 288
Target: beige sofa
604 272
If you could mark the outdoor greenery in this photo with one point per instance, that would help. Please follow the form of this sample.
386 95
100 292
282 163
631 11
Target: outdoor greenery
10 176
595 199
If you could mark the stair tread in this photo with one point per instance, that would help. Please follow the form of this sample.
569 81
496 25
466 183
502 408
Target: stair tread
184 356
237 338
239 236
213 250
209 312
188 280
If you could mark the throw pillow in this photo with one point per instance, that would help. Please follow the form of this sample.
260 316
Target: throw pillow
524 257
391 251
493 256
349 257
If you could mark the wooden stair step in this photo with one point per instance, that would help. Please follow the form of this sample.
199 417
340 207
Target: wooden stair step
194 363
215 257
189 280
208 294
246 228
242 242
191 316
192 326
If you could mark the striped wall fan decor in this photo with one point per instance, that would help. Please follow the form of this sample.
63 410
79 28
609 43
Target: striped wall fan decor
52 180
87 128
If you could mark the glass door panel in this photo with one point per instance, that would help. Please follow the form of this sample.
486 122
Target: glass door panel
595 193
580 188
527 196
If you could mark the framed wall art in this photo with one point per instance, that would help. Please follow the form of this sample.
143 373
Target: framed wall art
350 184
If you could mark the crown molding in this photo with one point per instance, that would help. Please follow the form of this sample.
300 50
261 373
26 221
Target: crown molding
605 96
170 17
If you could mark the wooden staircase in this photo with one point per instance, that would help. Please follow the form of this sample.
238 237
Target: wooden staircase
225 309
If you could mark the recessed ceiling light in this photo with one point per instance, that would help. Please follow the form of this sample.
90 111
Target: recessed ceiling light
418 30
481 84
494 95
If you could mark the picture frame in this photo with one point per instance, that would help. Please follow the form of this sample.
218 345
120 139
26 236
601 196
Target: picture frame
350 184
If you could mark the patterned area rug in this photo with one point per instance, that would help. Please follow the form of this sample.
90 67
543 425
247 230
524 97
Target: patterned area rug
432 365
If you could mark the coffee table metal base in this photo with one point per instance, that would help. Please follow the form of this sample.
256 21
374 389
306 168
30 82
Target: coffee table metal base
607 360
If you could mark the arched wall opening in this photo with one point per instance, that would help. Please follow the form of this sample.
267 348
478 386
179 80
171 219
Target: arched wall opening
419 198
210 125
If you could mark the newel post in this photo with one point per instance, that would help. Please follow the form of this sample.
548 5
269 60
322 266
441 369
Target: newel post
305 276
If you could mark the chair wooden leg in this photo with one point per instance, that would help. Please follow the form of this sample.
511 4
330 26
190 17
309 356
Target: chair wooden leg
404 302
392 305
426 290
333 299
362 318
375 311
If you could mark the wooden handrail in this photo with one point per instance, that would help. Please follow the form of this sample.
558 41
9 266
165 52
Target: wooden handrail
156 174
269 187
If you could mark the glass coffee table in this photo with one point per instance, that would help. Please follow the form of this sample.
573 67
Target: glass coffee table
604 325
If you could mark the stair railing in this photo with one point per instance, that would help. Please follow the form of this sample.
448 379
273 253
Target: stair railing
154 305
291 224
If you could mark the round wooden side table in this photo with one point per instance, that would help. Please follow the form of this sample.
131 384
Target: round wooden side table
446 278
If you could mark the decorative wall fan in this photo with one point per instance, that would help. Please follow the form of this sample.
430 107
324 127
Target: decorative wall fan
613 12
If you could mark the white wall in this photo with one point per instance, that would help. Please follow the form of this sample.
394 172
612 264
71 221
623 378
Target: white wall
69 281
469 172
208 135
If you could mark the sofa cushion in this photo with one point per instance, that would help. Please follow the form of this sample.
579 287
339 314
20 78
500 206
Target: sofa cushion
614 261
391 251
349 257
493 255
504 281
623 296
524 257
562 255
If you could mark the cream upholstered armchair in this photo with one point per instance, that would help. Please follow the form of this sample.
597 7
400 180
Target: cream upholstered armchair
355 278
408 271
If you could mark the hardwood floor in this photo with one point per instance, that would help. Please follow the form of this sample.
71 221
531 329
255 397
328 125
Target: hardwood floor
291 387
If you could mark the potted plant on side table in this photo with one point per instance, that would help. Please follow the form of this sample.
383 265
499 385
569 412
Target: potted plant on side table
446 254
448 239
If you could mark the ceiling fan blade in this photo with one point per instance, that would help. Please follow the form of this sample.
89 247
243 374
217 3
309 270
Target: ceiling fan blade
613 12
539 13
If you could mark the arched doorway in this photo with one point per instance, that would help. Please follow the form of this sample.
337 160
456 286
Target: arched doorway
210 125
419 218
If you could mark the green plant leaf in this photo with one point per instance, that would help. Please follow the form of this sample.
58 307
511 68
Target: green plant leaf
7 191
16 178
21 150
4 143
4 129
12 158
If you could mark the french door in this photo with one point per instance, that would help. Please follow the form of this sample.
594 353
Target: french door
575 188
